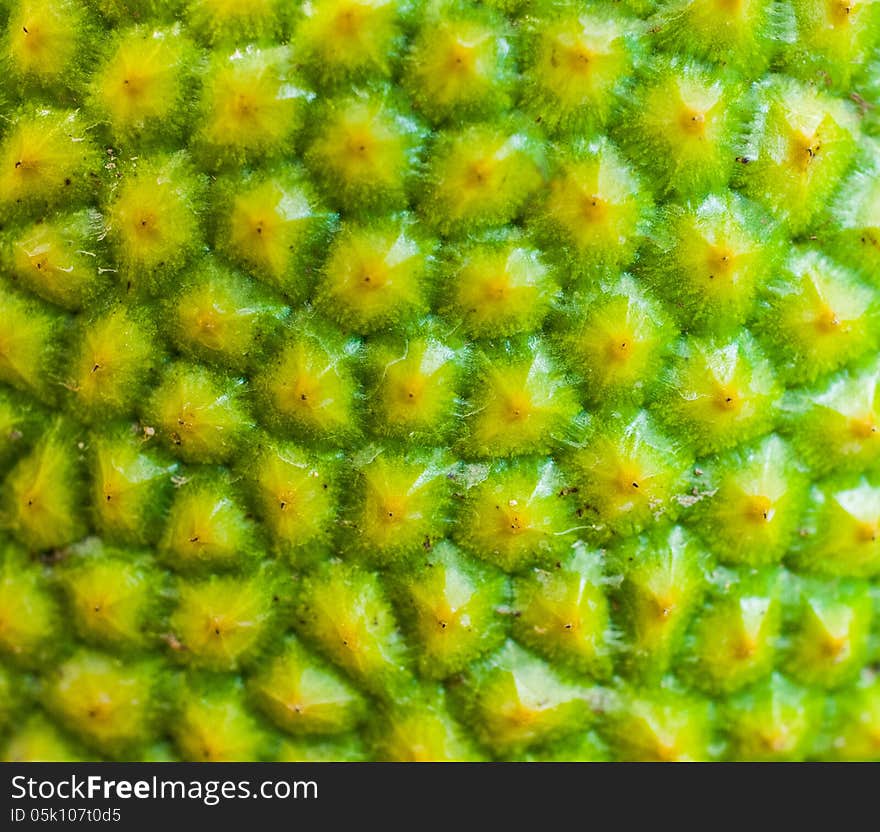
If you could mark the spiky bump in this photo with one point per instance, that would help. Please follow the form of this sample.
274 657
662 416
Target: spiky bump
594 209
207 527
497 285
453 610
834 39
214 725
626 473
733 642
828 631
519 402
412 384
309 390
659 725
29 615
749 501
130 487
800 145
817 317
251 107
840 532
514 700
339 39
374 275
113 361
107 702
272 225
397 504
680 127
480 176
221 622
47 158
364 153
219 316
615 338
562 613
459 66
42 493
60 259
304 696
154 218
663 582
515 514
719 393
343 611
421 729
200 416
850 224
773 721
740 33
295 493
43 42
32 336
111 596
710 258
576 64
834 425
222 22
146 84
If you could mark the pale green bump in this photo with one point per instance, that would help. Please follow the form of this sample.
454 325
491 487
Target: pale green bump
626 472
219 316
398 504
562 612
747 503
663 583
295 493
200 415
828 632
30 623
304 696
42 495
520 401
208 527
61 259
817 317
513 701
711 258
480 176
375 275
309 389
212 724
719 392
774 721
515 514
130 487
343 611
107 702
112 596
659 725
221 622
840 530
616 338
453 607
733 642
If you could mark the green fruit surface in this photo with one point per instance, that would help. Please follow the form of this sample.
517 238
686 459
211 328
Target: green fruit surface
439 380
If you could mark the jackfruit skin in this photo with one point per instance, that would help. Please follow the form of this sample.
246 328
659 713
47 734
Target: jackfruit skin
429 380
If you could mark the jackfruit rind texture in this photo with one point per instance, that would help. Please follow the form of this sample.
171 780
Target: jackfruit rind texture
439 380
